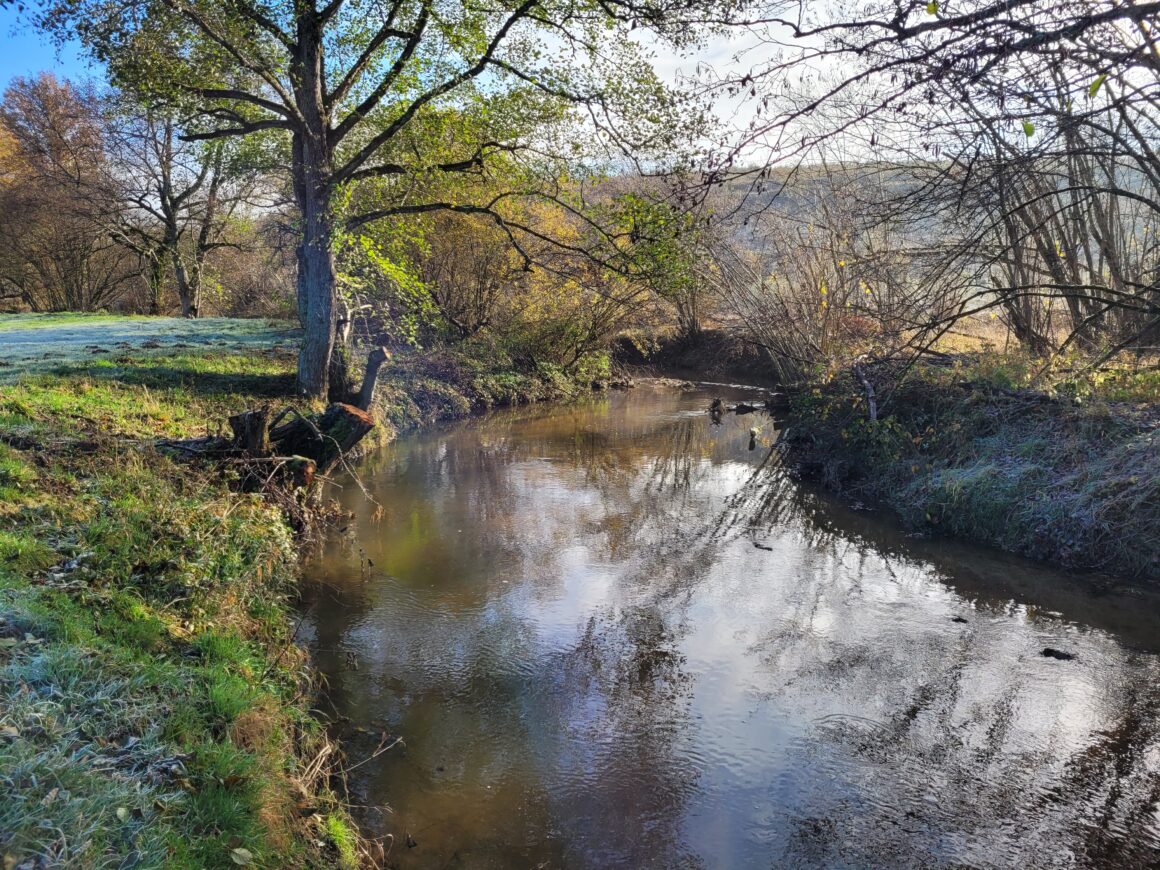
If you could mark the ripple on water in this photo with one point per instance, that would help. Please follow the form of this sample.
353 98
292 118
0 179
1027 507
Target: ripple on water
592 665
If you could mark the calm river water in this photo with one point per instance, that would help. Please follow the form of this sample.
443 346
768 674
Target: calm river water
611 635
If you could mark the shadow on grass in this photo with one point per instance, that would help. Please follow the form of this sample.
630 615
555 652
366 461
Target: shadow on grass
193 381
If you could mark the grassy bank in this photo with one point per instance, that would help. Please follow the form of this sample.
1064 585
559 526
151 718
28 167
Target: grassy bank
1071 476
154 710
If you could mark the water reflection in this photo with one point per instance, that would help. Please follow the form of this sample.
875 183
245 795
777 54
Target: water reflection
611 635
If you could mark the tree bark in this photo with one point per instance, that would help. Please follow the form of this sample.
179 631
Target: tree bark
366 395
341 386
316 289
326 440
188 309
250 431
871 398
156 282
313 170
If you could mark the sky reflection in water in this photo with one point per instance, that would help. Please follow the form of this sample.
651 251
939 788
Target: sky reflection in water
612 636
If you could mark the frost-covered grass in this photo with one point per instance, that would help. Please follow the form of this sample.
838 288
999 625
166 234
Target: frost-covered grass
153 708
1071 477
44 343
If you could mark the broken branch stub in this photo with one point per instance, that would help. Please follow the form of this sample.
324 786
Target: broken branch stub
326 440
375 360
251 431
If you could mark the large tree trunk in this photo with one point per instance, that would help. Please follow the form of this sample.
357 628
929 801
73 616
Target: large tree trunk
184 292
313 163
316 292
156 283
191 306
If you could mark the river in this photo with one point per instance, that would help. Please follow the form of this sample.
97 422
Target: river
612 635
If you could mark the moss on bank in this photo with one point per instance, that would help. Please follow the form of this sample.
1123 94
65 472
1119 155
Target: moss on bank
964 450
154 710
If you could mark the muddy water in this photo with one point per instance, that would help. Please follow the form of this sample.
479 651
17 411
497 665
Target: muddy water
613 636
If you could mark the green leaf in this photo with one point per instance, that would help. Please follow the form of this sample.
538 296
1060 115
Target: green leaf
932 7
1028 129
241 856
1096 85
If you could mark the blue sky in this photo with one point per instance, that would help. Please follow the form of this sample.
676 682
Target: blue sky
25 52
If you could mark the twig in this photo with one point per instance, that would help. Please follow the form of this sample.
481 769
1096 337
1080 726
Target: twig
288 410
383 747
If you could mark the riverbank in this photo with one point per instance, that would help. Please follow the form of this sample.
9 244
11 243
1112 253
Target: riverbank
710 355
154 708
1071 478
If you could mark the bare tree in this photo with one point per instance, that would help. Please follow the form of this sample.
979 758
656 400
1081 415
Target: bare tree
1022 138
56 243
175 200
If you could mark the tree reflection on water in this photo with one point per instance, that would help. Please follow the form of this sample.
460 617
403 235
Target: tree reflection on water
611 635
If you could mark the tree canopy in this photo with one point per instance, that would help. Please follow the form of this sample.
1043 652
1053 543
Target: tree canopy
377 103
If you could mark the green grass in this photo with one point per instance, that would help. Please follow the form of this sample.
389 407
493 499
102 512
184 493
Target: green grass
139 638
13 322
151 704
345 842
153 708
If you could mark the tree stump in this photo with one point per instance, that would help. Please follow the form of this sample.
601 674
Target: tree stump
326 440
251 431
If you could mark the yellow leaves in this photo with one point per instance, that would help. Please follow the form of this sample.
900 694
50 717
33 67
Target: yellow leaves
9 156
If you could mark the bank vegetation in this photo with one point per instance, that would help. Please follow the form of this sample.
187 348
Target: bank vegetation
934 225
